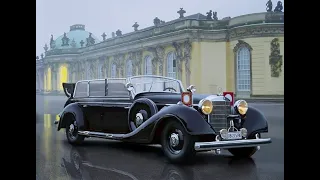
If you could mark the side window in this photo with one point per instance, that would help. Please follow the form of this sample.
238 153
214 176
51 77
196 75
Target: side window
97 88
81 89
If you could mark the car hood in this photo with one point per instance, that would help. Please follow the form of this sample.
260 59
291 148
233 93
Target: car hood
173 98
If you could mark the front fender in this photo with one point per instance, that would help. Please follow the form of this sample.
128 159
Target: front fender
255 122
74 109
190 118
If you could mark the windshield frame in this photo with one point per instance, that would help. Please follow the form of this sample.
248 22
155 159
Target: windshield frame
129 80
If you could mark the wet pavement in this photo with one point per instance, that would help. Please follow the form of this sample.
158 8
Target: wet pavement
111 160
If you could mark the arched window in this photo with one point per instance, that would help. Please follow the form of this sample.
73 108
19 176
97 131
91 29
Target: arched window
113 71
99 70
243 69
171 65
129 68
148 65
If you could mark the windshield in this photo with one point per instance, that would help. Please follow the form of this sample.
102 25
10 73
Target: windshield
155 84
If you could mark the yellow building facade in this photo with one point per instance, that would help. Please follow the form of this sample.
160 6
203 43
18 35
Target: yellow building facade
244 54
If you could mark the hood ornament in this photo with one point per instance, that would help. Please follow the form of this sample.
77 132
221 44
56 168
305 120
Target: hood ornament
220 93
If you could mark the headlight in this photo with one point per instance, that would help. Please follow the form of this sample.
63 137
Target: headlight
205 106
242 106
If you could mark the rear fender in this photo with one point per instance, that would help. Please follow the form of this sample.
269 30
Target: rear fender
75 110
255 122
190 118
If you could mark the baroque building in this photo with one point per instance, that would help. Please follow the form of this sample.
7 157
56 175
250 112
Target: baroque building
244 54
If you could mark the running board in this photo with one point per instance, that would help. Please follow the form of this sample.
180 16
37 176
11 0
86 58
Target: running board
101 135
203 146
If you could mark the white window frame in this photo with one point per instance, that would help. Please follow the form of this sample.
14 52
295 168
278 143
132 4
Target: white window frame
129 68
148 65
113 70
243 70
171 71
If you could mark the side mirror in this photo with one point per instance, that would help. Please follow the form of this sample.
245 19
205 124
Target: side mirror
191 88
129 86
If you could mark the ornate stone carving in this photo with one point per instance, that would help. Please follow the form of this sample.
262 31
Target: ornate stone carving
187 58
179 57
279 7
138 62
90 40
269 6
73 43
104 36
154 59
240 44
65 40
254 32
81 43
275 59
118 60
118 32
181 12
160 55
135 26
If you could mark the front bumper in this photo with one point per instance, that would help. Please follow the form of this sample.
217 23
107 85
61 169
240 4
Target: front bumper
206 146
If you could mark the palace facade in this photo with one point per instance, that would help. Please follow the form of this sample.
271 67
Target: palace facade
244 54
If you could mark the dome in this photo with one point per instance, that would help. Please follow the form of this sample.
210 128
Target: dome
74 37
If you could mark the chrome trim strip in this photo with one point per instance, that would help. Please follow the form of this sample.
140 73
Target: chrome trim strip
203 146
101 135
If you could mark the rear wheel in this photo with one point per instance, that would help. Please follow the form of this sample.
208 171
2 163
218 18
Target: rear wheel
176 143
72 132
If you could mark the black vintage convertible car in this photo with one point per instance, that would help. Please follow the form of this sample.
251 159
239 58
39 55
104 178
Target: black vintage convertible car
157 110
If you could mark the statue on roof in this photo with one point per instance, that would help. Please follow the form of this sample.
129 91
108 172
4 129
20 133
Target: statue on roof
279 7
104 36
118 32
52 44
65 40
113 34
90 40
73 43
41 55
135 26
269 6
45 48
156 21
181 12
215 16
37 57
209 15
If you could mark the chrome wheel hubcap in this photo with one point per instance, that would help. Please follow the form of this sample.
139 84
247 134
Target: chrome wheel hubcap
71 128
139 119
174 140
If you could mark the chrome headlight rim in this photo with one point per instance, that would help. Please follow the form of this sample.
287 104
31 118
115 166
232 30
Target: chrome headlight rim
237 105
201 103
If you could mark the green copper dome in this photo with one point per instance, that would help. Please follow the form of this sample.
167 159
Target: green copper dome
75 37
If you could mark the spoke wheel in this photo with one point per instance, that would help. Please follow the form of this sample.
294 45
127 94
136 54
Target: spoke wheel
72 132
176 143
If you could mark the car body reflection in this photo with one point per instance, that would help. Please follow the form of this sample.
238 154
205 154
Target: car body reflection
79 166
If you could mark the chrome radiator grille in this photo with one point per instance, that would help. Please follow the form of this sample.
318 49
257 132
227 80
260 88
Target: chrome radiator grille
218 117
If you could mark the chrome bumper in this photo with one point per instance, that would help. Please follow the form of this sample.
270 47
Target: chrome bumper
203 146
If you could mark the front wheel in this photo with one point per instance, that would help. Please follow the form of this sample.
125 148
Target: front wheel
176 143
72 133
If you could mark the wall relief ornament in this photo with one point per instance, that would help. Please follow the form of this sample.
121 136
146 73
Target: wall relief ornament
154 59
118 60
179 57
255 32
187 58
160 55
138 62
275 59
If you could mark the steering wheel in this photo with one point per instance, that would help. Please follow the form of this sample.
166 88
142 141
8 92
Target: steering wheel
170 88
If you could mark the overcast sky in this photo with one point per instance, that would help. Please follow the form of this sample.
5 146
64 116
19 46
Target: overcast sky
56 16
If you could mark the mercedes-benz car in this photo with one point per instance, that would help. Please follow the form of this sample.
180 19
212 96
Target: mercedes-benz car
151 109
